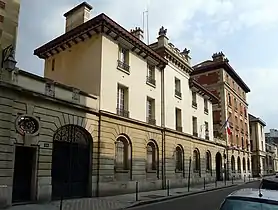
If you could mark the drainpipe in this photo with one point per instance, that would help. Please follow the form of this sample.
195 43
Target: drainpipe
98 154
163 129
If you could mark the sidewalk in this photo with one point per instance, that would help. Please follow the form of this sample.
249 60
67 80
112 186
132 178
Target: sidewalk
126 200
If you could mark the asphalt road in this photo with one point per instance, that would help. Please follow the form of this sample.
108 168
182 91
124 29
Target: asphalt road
204 201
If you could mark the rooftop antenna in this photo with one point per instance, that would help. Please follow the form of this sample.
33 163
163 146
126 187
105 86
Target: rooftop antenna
146 13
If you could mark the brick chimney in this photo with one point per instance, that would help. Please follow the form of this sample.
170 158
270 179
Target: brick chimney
77 16
138 32
218 56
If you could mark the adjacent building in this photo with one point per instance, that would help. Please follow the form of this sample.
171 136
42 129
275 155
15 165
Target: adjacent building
272 136
9 14
218 76
257 145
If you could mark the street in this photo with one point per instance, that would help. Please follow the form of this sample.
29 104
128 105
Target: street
204 201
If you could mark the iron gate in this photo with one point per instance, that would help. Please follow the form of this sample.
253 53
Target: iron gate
70 162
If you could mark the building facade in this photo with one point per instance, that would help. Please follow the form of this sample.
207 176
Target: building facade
272 136
257 145
9 15
111 111
218 76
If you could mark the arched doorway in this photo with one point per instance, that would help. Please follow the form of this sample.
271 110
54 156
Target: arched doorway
71 162
218 161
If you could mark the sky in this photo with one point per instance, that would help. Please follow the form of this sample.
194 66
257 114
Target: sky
246 31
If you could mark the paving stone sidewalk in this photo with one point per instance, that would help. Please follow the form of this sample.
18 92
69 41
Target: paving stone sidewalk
121 201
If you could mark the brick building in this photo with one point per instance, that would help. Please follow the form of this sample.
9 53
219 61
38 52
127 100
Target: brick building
220 78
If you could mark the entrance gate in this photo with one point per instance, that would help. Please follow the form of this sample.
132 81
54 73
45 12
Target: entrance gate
70 162
218 160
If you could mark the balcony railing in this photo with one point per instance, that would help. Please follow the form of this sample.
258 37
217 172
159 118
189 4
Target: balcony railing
151 120
123 66
179 128
151 80
242 130
195 133
178 93
206 110
122 112
194 104
237 128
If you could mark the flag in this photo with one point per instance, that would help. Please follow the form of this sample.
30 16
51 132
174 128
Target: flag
227 126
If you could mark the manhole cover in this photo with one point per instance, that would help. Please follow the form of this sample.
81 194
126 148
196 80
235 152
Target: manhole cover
154 196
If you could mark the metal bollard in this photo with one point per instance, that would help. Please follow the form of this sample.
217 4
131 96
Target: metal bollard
249 177
215 183
204 183
244 178
232 180
168 187
137 191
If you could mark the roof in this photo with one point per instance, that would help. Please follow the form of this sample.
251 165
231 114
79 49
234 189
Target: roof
83 4
209 65
203 90
96 25
254 193
252 118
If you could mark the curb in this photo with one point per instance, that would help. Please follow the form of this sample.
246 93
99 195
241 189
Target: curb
176 196
139 203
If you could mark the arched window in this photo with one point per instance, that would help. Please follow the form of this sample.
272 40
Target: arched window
238 164
196 161
179 158
244 164
233 164
208 161
242 142
151 156
122 154
248 164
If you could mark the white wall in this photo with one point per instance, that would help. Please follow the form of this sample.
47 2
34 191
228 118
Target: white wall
135 81
185 103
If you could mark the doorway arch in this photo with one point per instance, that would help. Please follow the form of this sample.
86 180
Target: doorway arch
218 161
71 165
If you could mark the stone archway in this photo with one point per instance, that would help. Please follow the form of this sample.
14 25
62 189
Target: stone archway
218 161
71 162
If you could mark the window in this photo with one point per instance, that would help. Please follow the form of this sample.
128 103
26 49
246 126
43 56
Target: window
238 164
2 5
122 99
240 107
123 61
194 99
229 99
177 88
151 156
194 126
151 111
179 159
242 142
53 64
205 105
1 18
178 120
244 164
233 164
207 131
151 75
227 78
122 154
235 104
208 161
237 140
196 161
248 164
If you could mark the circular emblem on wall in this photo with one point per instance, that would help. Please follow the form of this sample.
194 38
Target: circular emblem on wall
26 124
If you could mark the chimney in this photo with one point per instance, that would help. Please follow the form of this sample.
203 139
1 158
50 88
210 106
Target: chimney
162 39
77 16
218 56
138 32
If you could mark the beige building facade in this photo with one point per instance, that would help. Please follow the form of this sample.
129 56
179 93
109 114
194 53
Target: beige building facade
101 119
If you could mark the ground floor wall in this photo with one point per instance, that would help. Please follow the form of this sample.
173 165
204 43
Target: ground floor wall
122 152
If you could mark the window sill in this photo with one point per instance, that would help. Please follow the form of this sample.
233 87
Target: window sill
123 70
194 106
179 97
178 171
151 171
150 84
121 170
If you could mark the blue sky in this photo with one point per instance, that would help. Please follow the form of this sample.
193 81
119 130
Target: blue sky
246 31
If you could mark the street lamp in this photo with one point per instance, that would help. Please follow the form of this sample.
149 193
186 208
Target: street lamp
8 60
